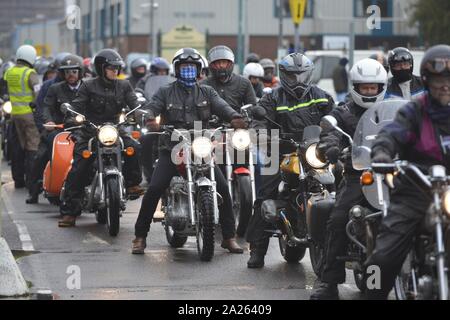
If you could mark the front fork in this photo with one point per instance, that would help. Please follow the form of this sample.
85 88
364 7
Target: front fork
440 248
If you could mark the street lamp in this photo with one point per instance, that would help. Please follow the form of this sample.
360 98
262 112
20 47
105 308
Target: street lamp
152 39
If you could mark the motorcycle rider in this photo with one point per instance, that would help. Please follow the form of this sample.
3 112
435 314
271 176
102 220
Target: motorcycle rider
180 104
158 67
138 71
368 83
255 72
101 100
403 84
296 104
23 82
236 90
420 133
252 57
62 92
269 79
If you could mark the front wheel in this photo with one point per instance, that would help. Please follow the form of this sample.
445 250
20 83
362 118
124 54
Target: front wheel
243 203
205 224
317 256
290 254
112 205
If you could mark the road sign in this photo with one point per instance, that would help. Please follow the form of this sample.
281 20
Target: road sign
297 10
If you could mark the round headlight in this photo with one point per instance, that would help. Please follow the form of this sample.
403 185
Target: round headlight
312 159
108 135
7 107
79 118
202 147
240 140
446 202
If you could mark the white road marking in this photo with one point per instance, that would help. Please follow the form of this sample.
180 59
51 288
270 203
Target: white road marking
25 239
90 238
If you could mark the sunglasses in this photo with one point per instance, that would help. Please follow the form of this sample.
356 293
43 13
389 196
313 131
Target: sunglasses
438 65
71 71
113 68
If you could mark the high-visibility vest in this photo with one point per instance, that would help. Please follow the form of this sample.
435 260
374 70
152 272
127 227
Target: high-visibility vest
20 93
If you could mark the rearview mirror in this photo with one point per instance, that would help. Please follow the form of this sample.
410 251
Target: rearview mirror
328 122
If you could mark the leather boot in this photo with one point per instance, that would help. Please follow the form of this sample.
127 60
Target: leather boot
231 245
325 291
67 221
256 259
139 245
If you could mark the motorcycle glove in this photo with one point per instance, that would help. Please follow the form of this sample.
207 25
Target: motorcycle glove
238 123
152 125
381 156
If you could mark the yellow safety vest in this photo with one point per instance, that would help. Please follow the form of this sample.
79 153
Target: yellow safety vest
20 93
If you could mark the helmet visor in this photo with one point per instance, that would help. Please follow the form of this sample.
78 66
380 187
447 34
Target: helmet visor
293 79
402 56
438 65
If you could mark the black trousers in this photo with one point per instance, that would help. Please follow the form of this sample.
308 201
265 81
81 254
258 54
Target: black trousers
17 155
42 157
149 154
162 175
395 238
78 176
348 195
258 238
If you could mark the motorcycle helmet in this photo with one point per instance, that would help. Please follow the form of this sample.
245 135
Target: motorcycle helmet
436 61
221 53
27 54
159 63
186 55
252 57
136 64
401 54
72 62
367 71
105 58
296 74
253 69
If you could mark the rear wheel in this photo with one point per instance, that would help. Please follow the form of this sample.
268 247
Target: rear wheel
243 203
113 205
317 256
205 224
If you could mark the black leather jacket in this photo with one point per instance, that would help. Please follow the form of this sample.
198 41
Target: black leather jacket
180 107
103 102
237 92
57 94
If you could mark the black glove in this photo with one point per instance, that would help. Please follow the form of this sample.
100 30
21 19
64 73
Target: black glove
238 123
381 156
328 148
152 125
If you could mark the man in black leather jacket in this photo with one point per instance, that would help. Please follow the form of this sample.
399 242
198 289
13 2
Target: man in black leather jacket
100 100
294 105
180 104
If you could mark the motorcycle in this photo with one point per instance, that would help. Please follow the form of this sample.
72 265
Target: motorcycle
6 128
304 201
106 194
363 223
240 176
424 274
190 204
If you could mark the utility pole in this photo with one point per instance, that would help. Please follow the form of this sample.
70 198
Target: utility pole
240 41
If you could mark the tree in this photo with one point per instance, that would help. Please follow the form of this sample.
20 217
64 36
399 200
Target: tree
433 17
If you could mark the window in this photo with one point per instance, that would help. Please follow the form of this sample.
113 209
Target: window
360 7
286 11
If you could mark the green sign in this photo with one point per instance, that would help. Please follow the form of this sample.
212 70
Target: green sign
28 41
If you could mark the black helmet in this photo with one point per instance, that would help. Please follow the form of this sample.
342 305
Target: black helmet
159 63
381 58
107 57
138 63
187 55
71 62
296 74
252 57
59 58
41 66
221 53
401 54
436 61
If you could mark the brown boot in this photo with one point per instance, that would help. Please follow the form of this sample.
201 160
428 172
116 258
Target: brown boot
67 221
135 192
139 246
232 245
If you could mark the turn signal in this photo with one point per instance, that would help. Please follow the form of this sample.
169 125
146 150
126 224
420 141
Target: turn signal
366 178
136 135
129 151
86 154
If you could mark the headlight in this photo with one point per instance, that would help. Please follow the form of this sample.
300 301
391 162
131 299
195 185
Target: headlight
240 140
202 147
122 118
7 107
312 159
446 202
108 135
158 119
79 118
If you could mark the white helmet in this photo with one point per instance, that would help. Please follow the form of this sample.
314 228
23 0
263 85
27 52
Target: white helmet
367 71
26 53
253 69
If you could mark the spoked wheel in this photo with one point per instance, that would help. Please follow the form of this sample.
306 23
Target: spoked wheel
291 254
205 224
406 285
317 256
